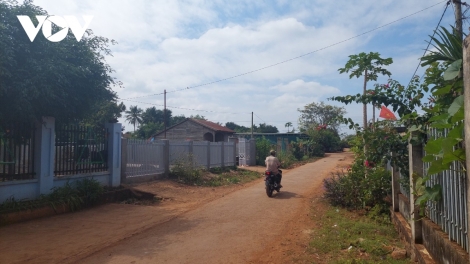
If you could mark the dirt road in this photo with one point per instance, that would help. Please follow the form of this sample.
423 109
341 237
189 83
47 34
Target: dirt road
232 229
233 224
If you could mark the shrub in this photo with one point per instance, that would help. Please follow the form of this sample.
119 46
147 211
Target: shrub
353 189
263 146
90 190
287 159
185 171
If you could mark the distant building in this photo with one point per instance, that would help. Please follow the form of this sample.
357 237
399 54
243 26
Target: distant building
281 140
196 130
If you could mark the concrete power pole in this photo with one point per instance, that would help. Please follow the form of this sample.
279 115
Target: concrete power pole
458 16
466 88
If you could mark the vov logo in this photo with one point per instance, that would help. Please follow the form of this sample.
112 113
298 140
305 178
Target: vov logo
46 22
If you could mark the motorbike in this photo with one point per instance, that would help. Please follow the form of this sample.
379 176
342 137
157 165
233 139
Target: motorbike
271 182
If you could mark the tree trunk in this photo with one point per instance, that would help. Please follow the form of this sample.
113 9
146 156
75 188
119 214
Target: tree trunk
364 107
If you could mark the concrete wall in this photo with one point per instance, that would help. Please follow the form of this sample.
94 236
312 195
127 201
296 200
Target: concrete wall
44 165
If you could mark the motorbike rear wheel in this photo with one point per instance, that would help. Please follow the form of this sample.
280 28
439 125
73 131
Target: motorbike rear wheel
269 190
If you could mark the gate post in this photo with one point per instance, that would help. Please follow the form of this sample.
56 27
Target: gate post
222 162
415 153
395 187
252 152
166 157
208 165
123 159
114 153
44 154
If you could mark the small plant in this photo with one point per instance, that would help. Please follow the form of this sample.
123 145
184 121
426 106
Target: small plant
286 159
90 190
82 193
185 171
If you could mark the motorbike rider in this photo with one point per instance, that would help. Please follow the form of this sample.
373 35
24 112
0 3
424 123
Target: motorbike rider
272 165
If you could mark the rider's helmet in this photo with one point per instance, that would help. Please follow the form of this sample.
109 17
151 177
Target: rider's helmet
272 152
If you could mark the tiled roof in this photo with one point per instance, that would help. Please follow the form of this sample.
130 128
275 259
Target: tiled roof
212 125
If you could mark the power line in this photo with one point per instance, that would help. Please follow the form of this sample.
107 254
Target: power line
259 118
176 107
429 43
294 58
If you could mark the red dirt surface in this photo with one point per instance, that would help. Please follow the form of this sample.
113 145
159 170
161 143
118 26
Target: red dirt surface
234 224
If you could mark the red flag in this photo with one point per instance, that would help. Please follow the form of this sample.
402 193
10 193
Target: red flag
387 114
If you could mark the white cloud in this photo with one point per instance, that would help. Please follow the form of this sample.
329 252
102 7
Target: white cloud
169 44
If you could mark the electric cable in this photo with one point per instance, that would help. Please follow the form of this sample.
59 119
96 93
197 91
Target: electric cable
294 58
176 107
429 43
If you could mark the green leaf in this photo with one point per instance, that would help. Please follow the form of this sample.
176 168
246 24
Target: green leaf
459 116
434 146
457 132
444 116
434 193
442 90
456 105
436 167
453 70
429 158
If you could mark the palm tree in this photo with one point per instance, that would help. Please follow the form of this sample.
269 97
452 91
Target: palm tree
288 124
134 115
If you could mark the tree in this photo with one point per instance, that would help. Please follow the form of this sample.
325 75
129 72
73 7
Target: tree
316 114
288 124
134 115
264 128
369 65
154 115
237 128
198 117
177 119
68 80
108 112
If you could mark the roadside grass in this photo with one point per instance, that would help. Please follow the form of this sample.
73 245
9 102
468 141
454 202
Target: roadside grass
353 237
214 177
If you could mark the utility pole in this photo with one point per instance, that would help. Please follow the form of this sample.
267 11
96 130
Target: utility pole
466 93
458 16
164 111
251 125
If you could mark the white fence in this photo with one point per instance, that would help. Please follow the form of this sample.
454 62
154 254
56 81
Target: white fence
143 160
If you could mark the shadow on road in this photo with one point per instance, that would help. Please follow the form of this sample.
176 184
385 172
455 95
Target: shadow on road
286 195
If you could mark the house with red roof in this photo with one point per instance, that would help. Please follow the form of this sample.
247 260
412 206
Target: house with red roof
193 129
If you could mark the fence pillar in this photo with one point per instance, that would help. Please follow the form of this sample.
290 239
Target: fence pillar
123 159
416 167
114 153
190 153
166 156
44 154
235 154
222 155
208 166
395 187
252 152
466 93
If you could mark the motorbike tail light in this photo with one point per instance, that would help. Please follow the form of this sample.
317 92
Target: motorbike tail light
268 173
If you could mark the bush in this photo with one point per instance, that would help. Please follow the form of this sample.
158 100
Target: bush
263 146
287 159
327 139
185 171
353 189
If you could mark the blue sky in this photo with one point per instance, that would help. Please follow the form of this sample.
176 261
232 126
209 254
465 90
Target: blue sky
177 44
